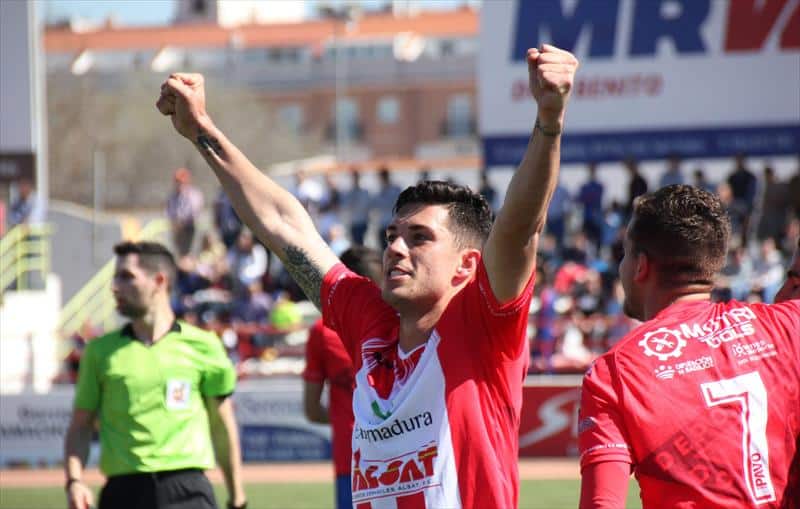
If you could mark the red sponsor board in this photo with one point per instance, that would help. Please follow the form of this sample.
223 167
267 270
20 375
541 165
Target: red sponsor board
549 422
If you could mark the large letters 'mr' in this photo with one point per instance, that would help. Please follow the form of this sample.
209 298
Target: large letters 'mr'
748 24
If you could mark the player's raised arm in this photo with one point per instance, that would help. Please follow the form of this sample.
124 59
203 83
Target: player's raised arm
273 213
509 253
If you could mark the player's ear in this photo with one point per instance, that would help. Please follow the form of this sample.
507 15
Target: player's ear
644 266
467 266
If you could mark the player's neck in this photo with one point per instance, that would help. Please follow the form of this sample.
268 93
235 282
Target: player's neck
662 301
154 325
416 327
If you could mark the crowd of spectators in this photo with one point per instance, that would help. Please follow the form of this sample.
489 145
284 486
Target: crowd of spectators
230 283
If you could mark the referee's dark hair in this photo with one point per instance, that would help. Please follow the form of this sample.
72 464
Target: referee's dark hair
153 257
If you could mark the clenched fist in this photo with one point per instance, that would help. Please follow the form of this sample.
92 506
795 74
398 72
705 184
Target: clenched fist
183 98
551 72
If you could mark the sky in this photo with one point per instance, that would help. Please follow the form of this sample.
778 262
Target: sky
160 12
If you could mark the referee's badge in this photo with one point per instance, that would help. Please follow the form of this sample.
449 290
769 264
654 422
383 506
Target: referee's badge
178 392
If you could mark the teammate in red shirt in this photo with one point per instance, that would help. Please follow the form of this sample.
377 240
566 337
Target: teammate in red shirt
702 401
328 361
431 431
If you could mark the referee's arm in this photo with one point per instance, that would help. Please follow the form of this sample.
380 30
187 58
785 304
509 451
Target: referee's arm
76 453
225 438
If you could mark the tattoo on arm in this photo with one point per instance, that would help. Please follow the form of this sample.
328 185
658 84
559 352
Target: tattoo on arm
209 144
305 273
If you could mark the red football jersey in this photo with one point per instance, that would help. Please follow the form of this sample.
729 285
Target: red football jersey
704 402
437 426
327 360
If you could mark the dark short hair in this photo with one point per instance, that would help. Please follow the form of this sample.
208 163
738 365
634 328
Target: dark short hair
684 230
153 257
364 261
469 212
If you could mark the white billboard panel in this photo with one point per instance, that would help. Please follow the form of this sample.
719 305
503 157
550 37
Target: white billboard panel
697 78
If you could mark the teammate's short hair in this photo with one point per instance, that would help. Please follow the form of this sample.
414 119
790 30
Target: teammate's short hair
153 257
684 230
469 212
364 261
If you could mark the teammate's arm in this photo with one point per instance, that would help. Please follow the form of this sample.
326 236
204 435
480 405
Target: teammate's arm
312 403
76 453
509 253
604 485
225 439
274 214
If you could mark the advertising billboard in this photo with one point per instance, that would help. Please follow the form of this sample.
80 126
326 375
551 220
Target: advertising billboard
693 78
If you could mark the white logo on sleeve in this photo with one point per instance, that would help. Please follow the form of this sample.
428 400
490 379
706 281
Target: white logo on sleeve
663 343
178 394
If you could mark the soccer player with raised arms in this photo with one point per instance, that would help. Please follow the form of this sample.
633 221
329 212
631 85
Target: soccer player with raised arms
440 349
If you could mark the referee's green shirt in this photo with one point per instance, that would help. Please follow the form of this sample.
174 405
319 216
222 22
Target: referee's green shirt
149 399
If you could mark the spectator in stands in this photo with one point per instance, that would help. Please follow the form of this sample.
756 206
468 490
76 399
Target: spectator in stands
226 220
558 214
794 191
736 278
637 185
791 287
488 192
309 192
211 262
327 361
159 389
591 197
184 205
357 202
383 204
774 208
768 270
743 189
673 174
247 261
26 207
701 182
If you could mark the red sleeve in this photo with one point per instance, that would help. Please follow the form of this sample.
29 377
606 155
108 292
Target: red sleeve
314 370
506 323
601 429
604 485
352 306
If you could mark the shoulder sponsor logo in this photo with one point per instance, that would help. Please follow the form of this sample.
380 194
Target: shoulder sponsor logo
663 343
732 324
669 371
397 428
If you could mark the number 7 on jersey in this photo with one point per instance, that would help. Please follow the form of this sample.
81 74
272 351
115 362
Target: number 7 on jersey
749 392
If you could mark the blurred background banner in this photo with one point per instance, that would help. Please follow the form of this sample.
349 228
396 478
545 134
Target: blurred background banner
694 78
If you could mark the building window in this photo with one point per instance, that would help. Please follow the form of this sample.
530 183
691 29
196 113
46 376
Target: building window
345 116
388 109
291 117
459 116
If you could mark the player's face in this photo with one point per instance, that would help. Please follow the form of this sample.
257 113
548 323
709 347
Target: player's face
631 305
134 288
421 257
791 287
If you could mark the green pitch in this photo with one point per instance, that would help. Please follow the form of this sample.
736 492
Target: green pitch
534 495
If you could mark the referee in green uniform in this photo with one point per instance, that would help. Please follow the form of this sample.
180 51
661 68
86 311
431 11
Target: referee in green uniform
159 388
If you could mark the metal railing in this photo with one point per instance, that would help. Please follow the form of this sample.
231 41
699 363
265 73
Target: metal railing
94 302
24 251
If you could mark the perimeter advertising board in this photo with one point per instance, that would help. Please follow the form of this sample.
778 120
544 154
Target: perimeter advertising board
697 78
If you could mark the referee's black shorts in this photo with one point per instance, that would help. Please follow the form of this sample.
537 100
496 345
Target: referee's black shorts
177 489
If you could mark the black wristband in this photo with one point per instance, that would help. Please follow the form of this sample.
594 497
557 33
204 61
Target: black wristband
547 131
243 506
70 482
